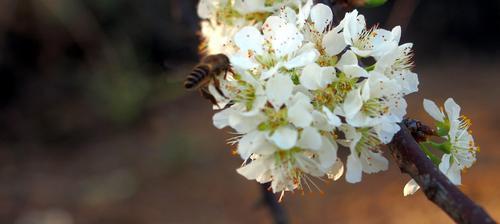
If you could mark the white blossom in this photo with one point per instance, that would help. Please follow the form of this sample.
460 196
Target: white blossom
289 170
223 18
364 157
396 65
300 85
375 103
368 42
461 143
460 149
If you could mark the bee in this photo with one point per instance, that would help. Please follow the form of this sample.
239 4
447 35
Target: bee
207 71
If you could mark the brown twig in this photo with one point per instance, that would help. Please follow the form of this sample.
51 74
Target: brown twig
436 186
269 199
412 160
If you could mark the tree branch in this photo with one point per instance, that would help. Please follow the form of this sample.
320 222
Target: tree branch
436 186
269 199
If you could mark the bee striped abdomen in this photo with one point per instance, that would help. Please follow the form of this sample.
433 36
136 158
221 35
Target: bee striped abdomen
197 76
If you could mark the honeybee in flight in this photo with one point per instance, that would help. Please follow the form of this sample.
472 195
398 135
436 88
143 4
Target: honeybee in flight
207 71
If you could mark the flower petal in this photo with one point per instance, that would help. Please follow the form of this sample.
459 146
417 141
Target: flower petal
304 13
310 139
250 143
299 115
320 121
410 188
284 137
271 26
249 38
352 103
373 162
334 42
244 124
310 76
321 16
450 170
288 14
445 163
287 40
221 119
327 154
332 119
384 42
396 33
336 171
354 71
254 169
348 58
432 109
269 73
205 9
387 60
454 175
326 76
354 169
386 131
302 59
239 61
246 7
452 109
279 89
408 81
353 25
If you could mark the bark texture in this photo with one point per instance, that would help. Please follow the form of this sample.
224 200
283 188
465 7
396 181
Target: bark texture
436 186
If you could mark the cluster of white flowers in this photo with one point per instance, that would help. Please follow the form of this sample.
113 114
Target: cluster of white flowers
302 85
223 18
459 149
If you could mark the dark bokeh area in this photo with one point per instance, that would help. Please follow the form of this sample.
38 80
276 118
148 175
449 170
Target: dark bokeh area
96 128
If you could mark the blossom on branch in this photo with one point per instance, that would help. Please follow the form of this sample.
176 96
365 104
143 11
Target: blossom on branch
459 149
301 86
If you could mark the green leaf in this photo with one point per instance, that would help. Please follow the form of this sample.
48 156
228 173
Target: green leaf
430 155
374 3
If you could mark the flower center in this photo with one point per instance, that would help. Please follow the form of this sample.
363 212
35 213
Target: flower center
275 119
374 107
266 61
289 174
365 39
245 94
227 14
325 60
465 122
404 61
368 140
334 93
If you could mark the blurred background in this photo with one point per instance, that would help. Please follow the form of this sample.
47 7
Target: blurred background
95 126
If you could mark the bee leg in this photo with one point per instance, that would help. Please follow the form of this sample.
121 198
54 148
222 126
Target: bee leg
217 87
204 92
229 70
228 105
